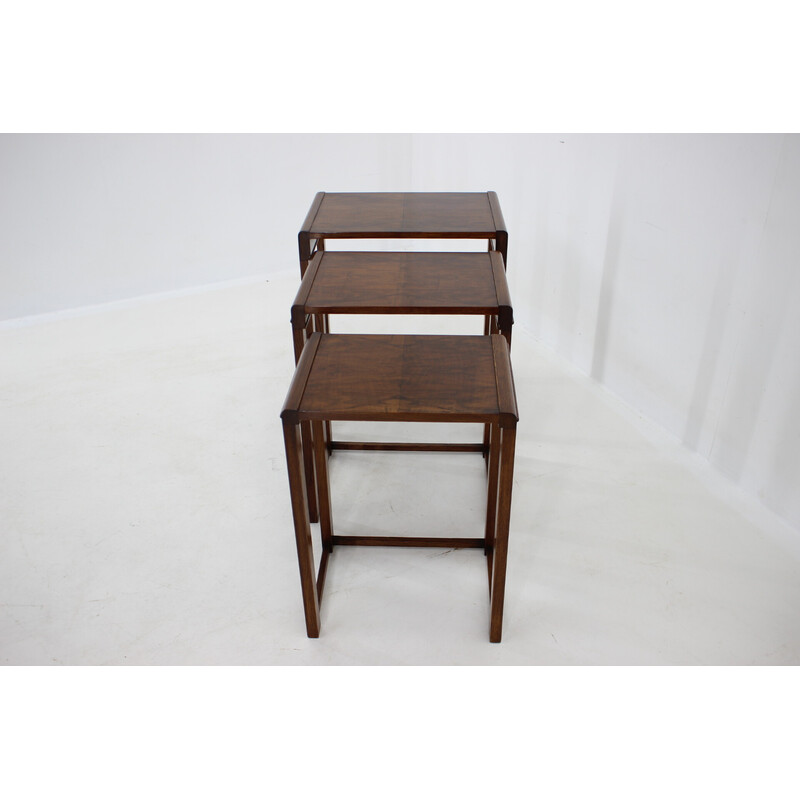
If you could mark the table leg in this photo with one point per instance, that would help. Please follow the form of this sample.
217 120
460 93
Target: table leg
302 529
491 500
322 324
507 445
501 243
298 340
487 329
304 250
308 466
328 424
323 486
492 323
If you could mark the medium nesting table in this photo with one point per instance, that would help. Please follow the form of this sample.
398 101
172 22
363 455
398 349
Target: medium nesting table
403 283
397 378
400 283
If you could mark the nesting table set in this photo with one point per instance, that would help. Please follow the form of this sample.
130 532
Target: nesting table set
399 378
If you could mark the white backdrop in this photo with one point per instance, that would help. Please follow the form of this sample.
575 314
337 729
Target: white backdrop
666 266
89 219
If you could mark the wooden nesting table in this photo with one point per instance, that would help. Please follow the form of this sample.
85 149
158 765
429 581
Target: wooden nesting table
403 283
402 215
398 283
397 378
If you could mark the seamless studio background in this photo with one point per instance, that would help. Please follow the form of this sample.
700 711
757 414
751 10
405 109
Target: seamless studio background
662 266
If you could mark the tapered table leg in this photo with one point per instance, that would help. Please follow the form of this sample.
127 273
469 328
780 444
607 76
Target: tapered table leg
326 328
486 328
298 340
491 501
308 466
507 445
302 529
304 248
323 485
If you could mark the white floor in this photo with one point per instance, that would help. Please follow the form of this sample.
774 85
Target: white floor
145 513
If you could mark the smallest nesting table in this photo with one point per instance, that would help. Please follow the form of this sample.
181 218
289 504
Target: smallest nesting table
397 378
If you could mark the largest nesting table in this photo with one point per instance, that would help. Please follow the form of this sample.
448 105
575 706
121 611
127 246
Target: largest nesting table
397 378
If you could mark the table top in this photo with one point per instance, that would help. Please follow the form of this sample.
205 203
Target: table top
404 215
403 283
413 378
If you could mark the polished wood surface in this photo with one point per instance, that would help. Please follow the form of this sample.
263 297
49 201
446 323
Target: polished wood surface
403 378
403 283
402 215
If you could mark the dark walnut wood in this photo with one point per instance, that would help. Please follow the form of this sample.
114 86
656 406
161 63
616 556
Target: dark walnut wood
402 283
400 378
403 215
412 378
405 283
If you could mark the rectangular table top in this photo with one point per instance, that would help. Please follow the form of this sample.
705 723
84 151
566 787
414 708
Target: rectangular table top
378 377
403 283
404 215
